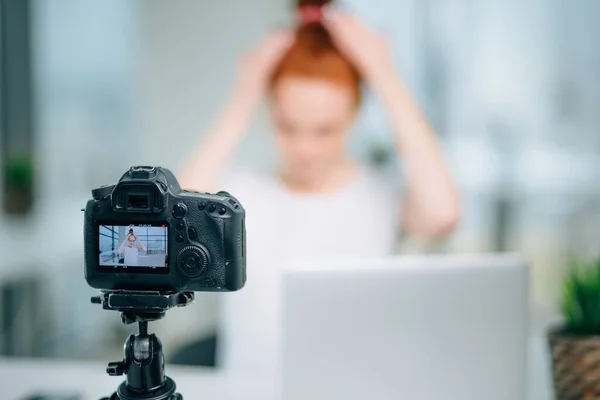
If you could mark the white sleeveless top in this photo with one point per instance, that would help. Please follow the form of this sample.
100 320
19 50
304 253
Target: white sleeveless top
359 220
131 255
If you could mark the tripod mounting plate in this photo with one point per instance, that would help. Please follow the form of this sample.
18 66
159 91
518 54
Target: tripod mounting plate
139 306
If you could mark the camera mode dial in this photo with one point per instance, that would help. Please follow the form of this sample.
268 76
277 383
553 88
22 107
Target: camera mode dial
102 192
192 261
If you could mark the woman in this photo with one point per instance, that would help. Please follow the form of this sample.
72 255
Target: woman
318 202
130 250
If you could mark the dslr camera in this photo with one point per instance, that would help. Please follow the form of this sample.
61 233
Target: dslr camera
147 234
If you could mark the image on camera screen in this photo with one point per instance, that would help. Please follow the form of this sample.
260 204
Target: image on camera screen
138 248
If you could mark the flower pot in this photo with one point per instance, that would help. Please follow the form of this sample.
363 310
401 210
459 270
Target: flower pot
17 201
575 365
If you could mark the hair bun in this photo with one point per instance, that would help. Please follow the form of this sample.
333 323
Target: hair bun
314 54
304 3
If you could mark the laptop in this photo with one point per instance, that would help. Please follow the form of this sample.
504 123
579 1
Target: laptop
408 327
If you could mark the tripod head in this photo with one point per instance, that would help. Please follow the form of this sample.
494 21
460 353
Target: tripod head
143 361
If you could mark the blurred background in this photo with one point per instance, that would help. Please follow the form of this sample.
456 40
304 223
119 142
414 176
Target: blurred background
89 88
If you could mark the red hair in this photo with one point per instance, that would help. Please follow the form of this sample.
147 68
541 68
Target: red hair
314 55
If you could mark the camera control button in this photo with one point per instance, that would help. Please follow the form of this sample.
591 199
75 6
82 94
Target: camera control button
212 208
192 261
192 233
179 210
180 226
179 238
222 211
202 206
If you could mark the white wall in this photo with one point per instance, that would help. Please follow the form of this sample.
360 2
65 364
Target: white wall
82 53
141 81
187 64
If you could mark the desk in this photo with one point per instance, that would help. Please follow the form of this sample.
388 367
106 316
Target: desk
540 381
19 378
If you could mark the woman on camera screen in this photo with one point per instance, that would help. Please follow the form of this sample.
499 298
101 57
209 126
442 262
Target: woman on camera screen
318 201
130 251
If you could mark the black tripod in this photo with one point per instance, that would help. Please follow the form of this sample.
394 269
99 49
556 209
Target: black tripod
144 362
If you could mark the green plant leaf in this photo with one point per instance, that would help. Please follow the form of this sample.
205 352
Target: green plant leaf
569 305
580 297
19 170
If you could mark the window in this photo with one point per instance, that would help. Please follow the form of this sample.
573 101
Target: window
16 115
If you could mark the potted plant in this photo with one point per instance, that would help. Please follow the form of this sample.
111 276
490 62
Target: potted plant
575 345
18 184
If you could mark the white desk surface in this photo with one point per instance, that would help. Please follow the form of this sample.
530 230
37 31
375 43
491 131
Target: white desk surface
21 378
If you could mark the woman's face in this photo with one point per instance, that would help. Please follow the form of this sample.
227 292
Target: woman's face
130 240
312 118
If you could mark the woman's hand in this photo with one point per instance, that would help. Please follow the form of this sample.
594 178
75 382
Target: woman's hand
431 205
216 149
366 49
258 66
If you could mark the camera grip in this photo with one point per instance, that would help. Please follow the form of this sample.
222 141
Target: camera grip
234 241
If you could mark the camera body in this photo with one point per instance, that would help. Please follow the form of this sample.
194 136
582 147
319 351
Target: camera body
146 233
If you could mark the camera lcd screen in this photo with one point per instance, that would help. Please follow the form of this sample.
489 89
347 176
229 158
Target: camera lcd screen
133 248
